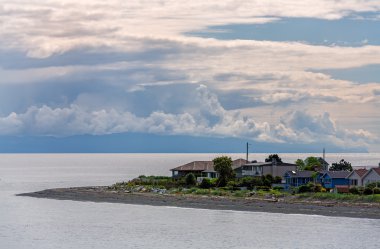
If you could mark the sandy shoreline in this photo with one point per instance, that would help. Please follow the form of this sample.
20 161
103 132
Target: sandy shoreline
99 194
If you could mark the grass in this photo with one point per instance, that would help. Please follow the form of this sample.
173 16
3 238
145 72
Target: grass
151 182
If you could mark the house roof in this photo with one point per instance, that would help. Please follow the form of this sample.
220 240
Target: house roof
268 164
322 161
377 170
360 172
301 174
207 166
337 174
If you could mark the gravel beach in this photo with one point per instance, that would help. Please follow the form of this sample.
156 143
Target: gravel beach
101 194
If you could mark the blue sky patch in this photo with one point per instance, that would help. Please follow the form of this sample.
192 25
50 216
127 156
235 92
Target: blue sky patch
351 31
366 74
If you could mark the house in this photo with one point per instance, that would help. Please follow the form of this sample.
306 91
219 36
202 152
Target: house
373 175
202 168
273 168
331 178
324 163
355 178
298 178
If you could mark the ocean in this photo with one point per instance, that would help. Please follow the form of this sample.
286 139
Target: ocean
27 222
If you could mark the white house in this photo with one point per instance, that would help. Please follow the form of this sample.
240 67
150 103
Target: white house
356 177
373 175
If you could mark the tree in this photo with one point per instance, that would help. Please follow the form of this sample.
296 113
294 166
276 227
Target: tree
341 166
223 165
273 156
300 164
310 163
315 177
190 179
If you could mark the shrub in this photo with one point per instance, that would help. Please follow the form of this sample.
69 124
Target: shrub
368 191
206 183
278 188
267 182
360 190
304 189
219 192
232 184
277 179
270 178
373 185
317 188
190 179
376 190
246 182
354 190
240 193
264 188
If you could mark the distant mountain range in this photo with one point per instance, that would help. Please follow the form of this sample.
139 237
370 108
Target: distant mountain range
150 143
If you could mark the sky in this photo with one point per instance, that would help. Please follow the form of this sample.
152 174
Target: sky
280 74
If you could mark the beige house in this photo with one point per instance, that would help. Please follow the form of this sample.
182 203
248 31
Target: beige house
356 177
373 175
264 168
202 169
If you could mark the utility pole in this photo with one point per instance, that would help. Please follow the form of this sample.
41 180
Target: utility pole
247 151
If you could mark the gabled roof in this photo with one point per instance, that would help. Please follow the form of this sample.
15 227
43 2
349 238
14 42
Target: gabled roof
239 162
337 174
377 170
322 161
279 164
360 172
195 166
207 166
301 174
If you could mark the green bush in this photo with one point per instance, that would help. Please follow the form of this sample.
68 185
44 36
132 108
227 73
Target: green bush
264 188
267 182
304 189
232 185
360 190
219 192
202 192
239 193
317 188
354 190
368 191
278 188
277 179
190 180
206 183
373 185
376 190
270 178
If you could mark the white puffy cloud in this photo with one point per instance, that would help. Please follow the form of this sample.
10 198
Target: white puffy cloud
295 127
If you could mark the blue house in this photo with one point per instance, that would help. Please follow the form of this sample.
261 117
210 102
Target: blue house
298 178
330 179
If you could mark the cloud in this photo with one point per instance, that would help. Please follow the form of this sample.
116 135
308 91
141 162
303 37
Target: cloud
90 67
296 127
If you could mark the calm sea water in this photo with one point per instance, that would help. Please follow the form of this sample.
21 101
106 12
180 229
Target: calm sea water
27 222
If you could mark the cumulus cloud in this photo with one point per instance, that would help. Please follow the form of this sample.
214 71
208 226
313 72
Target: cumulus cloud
295 127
